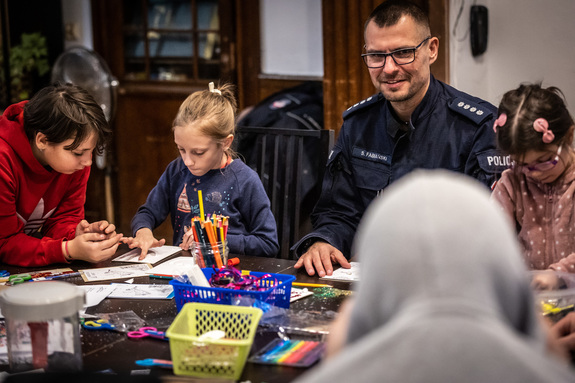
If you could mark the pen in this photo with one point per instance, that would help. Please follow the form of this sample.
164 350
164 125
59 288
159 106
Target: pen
56 276
304 284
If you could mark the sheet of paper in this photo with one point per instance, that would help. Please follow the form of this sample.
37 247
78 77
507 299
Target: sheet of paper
116 272
346 275
297 293
141 291
173 267
96 293
155 255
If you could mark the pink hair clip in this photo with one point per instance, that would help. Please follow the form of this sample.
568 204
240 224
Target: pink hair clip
501 120
542 126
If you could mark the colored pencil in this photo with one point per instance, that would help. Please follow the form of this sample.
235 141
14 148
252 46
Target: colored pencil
225 224
201 202
304 284
213 242
301 352
201 261
202 242
297 345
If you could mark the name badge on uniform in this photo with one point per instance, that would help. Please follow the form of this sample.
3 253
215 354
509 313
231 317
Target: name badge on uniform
371 156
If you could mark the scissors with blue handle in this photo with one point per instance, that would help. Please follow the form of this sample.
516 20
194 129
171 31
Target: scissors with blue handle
4 276
147 331
100 324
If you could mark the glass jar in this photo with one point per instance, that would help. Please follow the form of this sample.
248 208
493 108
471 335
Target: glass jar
207 255
42 326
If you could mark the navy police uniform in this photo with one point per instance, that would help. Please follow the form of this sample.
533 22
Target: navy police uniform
449 129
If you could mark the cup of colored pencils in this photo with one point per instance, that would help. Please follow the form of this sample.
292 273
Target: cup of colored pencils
210 247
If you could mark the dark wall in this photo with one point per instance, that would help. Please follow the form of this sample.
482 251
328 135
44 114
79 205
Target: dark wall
29 16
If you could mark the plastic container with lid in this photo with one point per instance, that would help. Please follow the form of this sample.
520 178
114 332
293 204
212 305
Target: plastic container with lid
42 325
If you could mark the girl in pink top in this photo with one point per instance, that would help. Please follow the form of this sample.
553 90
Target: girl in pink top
535 129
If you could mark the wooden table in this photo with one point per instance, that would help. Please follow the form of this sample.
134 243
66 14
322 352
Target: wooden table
113 351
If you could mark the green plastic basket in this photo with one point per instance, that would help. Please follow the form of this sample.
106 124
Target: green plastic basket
223 358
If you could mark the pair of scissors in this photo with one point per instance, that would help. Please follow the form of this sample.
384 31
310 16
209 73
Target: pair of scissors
99 324
18 278
4 276
143 332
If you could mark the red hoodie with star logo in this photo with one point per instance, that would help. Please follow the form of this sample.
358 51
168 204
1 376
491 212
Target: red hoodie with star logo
39 208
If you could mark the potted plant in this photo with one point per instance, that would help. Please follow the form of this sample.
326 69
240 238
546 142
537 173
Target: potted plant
28 61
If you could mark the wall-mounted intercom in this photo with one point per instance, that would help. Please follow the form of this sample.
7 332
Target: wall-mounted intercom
478 25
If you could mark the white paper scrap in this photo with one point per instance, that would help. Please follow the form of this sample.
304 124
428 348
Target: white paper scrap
299 293
173 267
346 275
95 293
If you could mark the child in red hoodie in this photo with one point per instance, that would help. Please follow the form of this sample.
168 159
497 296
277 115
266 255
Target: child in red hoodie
46 147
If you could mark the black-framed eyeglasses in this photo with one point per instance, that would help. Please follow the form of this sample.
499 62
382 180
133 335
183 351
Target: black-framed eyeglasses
400 56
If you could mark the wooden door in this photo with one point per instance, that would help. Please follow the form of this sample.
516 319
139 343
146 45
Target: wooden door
160 51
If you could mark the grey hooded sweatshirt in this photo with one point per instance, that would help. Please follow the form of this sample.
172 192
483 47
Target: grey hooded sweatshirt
443 295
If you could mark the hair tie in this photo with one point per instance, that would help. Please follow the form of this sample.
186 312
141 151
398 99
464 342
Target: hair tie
542 126
212 89
501 120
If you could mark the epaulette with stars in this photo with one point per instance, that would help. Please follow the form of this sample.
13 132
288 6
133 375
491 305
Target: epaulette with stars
472 110
362 104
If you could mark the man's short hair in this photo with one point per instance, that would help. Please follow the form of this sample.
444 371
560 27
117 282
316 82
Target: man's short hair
390 12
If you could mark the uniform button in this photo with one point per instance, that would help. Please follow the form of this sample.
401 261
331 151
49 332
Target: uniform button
461 103
479 112
466 106
473 109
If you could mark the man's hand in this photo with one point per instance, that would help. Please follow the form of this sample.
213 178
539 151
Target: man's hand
320 257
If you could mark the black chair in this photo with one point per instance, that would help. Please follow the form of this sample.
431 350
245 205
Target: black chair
291 164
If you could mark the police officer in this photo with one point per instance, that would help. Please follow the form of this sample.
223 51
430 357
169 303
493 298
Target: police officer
414 121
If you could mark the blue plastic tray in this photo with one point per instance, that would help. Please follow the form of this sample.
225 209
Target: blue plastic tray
278 294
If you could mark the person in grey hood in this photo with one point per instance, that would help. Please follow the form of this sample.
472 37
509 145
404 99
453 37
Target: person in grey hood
443 294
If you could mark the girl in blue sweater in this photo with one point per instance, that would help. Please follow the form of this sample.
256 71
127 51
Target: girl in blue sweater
203 132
